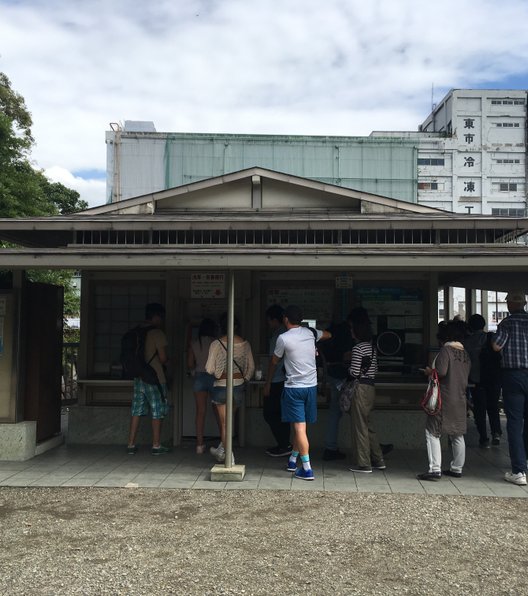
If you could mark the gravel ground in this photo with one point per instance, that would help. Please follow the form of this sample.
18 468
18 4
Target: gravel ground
143 541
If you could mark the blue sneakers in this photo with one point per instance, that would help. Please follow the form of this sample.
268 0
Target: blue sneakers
303 474
291 467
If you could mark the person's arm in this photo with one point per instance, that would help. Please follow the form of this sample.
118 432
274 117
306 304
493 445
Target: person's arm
442 362
250 364
160 345
272 365
355 362
501 337
162 355
499 342
210 365
324 335
274 360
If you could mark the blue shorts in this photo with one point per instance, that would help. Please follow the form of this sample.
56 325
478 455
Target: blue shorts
219 395
203 382
299 404
147 398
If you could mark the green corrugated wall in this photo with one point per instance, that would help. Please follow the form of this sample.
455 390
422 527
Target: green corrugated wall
382 166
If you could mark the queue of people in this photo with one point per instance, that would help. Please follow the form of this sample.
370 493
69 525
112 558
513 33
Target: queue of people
469 361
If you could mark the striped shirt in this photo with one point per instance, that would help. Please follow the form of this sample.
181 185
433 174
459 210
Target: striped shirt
512 338
362 353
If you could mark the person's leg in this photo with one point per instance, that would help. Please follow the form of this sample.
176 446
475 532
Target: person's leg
134 425
157 400
514 406
217 418
525 431
359 411
300 442
221 411
492 404
139 408
479 410
272 415
300 407
201 399
156 433
434 452
334 416
458 446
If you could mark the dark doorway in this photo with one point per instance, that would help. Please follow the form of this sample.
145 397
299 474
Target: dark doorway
42 315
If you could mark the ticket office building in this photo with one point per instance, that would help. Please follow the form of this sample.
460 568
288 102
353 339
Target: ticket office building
286 240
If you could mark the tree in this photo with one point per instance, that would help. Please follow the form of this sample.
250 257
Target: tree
25 191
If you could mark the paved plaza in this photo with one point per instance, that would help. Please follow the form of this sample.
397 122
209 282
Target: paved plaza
110 466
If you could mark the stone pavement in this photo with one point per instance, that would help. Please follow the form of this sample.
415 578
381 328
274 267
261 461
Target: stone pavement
110 466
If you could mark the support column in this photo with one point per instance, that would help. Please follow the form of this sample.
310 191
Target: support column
226 472
484 306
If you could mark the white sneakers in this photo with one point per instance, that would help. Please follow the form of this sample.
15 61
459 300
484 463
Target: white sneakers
519 479
219 454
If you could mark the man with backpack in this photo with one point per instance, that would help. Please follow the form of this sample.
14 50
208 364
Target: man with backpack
144 355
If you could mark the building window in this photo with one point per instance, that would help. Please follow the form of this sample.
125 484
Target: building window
118 306
508 212
427 185
498 315
507 102
506 186
430 161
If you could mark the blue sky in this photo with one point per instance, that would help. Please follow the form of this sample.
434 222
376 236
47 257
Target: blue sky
339 67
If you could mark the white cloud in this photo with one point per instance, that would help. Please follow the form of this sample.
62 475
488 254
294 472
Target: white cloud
92 191
298 67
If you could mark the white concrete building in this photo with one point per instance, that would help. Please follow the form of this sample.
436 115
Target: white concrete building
478 165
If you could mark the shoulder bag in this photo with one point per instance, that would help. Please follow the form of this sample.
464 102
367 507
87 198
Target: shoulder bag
432 399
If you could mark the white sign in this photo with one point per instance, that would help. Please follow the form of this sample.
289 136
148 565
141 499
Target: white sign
207 285
344 282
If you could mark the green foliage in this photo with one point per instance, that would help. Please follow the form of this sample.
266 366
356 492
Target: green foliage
25 191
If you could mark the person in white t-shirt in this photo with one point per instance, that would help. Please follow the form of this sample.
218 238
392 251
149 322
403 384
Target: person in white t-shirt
299 397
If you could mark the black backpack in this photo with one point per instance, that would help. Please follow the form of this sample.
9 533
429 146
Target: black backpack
133 356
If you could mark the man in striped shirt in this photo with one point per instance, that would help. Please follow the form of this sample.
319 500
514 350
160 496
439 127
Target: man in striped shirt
512 341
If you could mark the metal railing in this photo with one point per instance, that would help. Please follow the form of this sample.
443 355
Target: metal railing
69 373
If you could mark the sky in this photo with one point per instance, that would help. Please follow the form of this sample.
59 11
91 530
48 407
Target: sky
338 67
